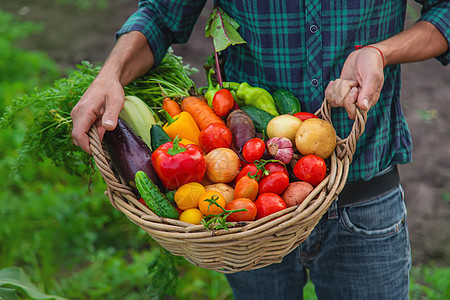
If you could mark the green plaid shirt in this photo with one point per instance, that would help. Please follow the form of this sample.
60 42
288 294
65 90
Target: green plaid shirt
300 46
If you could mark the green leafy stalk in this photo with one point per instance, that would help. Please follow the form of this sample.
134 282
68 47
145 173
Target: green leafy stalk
223 30
221 219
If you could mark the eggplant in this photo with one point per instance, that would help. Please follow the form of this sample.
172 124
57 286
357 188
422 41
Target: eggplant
129 154
242 129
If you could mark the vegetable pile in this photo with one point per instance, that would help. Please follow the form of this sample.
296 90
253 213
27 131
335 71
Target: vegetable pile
222 164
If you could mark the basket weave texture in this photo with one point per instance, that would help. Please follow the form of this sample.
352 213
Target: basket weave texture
246 245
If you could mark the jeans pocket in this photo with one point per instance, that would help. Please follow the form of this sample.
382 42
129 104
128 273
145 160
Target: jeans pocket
377 217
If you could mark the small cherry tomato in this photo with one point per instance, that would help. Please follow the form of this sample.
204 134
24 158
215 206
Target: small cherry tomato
253 149
273 167
305 115
246 187
191 215
275 182
222 102
268 203
248 168
215 135
206 207
311 168
239 216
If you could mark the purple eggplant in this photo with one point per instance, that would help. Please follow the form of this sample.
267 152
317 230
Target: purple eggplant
129 154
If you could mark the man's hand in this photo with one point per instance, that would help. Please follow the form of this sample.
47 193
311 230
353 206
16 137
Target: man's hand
360 82
100 104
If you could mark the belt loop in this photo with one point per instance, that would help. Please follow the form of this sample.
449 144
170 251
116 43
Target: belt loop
333 210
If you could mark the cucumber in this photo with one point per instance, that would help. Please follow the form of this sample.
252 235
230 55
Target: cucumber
153 197
260 118
158 136
170 195
286 102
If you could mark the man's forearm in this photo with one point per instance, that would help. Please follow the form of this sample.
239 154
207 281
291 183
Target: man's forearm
130 58
421 41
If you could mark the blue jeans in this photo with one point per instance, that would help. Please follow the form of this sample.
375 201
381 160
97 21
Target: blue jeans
359 252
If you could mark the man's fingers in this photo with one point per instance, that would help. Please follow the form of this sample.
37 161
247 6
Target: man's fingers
80 130
112 109
370 91
337 92
350 102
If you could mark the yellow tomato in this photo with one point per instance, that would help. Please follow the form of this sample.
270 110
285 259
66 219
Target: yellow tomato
188 195
192 215
211 209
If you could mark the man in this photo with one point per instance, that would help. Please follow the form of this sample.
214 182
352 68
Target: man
360 249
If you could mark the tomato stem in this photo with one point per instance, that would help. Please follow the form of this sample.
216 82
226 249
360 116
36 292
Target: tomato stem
208 221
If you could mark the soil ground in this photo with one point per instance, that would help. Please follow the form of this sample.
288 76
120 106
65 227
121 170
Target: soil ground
72 35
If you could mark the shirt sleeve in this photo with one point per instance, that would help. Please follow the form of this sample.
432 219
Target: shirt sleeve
438 13
164 22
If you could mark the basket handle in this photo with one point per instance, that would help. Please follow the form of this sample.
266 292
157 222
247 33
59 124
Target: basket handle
346 146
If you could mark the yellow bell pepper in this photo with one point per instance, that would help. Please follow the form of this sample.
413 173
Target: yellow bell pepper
182 125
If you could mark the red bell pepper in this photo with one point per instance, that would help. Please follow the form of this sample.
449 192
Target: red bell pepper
177 164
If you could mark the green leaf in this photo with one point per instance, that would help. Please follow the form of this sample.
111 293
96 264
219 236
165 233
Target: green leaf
223 29
8 294
17 278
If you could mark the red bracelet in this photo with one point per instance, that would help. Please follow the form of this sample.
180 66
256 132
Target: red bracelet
357 47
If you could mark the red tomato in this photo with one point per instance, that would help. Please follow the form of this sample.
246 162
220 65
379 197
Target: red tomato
246 187
215 135
311 168
273 167
268 203
275 182
305 115
245 170
240 203
222 102
253 149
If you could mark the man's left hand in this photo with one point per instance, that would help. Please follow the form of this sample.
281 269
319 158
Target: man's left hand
360 82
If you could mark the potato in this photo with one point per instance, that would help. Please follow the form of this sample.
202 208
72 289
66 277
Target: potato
283 126
223 188
315 136
296 192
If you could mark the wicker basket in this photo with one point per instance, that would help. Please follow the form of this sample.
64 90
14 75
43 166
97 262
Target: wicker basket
247 245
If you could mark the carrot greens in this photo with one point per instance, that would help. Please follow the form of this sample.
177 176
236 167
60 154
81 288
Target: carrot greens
48 133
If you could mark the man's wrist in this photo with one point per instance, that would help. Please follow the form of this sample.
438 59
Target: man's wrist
383 59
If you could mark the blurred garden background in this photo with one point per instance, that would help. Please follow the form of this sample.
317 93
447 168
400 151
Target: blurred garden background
60 236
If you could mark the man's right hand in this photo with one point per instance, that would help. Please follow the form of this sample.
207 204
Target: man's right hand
100 104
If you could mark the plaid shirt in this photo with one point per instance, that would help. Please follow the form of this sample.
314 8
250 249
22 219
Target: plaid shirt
300 46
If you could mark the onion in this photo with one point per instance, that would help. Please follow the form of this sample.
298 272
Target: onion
222 165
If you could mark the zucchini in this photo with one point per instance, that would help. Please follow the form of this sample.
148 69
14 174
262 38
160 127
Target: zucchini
153 197
139 117
158 136
260 118
286 102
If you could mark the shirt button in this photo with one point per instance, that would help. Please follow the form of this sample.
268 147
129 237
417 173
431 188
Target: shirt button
313 28
314 82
